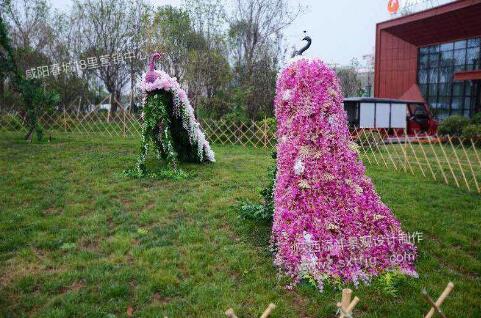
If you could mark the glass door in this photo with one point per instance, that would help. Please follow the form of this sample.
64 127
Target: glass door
477 96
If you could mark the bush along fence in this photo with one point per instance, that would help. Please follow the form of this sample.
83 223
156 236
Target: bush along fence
448 159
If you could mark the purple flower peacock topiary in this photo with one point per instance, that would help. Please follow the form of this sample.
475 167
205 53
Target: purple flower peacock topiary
329 223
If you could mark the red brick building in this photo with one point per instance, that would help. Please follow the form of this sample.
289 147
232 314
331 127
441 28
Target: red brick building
434 56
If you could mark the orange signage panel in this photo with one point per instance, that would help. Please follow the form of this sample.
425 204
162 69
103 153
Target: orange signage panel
393 6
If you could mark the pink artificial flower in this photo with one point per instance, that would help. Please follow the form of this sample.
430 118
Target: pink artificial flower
182 95
165 84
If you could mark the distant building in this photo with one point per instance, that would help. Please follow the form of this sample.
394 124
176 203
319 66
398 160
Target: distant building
366 77
432 56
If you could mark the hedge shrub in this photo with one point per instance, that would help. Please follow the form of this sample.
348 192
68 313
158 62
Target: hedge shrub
453 125
471 132
476 120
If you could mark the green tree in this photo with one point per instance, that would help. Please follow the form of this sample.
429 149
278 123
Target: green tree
255 37
35 98
172 34
349 80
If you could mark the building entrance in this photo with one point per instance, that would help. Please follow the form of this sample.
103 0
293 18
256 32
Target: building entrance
477 94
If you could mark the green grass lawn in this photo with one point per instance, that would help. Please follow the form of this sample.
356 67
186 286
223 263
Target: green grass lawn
78 239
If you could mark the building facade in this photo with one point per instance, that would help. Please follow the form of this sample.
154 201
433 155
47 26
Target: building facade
432 56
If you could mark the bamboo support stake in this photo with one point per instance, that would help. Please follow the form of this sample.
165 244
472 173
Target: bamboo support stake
268 311
353 304
255 135
459 163
425 156
79 104
433 304
123 116
228 133
78 124
110 109
89 114
211 134
215 126
64 119
117 124
414 153
449 164
470 167
238 134
253 141
345 301
130 101
361 144
389 156
125 125
476 153
372 150
85 123
406 160
398 156
230 313
133 121
346 306
227 129
440 300
437 160
379 146
91 127
353 138
266 134
379 149
73 117
399 153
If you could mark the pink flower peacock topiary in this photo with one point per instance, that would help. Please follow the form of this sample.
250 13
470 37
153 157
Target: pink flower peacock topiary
329 223
169 123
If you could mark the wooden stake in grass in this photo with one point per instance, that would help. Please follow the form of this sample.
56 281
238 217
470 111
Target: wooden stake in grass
231 314
449 163
421 146
268 310
438 161
346 306
435 306
408 140
362 146
470 166
377 145
459 162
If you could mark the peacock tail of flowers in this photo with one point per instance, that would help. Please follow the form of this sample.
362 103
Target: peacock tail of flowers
329 223
189 140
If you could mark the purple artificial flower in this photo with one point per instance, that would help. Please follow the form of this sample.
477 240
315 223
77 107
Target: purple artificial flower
323 200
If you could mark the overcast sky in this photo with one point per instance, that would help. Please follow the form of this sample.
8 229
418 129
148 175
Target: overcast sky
340 29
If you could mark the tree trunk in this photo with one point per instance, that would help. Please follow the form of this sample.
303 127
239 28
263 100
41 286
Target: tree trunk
29 133
113 103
